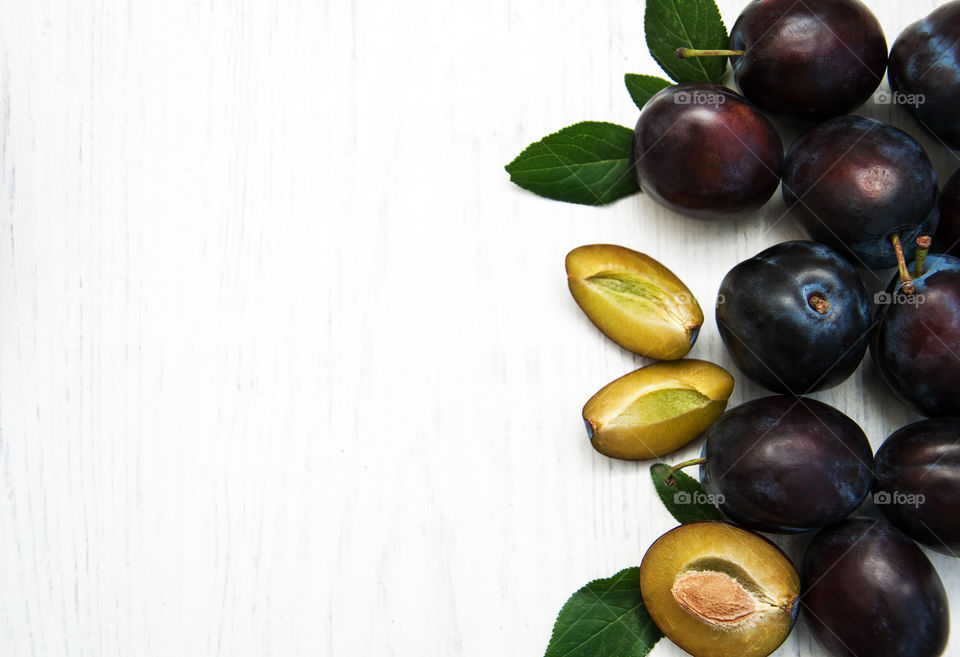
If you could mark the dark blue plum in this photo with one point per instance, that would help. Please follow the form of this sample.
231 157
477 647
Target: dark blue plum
780 71
925 70
853 183
869 591
917 484
795 317
916 345
947 238
786 464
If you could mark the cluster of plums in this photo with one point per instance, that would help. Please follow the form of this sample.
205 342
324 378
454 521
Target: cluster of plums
786 464
797 318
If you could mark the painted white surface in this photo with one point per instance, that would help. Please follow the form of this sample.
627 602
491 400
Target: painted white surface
287 365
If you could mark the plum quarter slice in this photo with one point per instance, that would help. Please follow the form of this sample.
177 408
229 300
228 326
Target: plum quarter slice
656 409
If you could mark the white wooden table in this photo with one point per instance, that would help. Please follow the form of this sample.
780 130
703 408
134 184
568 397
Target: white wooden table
287 366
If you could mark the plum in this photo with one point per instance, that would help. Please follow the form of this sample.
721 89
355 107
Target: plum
785 464
916 344
924 68
702 150
808 60
795 318
854 183
917 484
869 591
719 591
947 239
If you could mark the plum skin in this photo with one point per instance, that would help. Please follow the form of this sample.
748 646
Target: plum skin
702 150
852 182
869 590
784 464
924 62
917 482
947 239
782 74
774 333
916 344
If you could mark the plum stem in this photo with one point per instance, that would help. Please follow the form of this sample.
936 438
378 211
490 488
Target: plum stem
923 246
905 281
689 53
819 303
670 481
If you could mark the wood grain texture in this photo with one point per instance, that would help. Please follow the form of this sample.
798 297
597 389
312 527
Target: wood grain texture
287 366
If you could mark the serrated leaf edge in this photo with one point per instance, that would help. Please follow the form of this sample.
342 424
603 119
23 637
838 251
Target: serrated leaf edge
574 168
622 575
698 509
700 4
626 83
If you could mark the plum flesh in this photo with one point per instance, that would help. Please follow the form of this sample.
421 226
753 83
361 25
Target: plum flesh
720 591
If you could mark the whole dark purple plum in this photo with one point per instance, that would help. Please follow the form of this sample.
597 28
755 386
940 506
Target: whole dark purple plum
786 464
925 71
947 238
808 60
852 183
702 150
916 345
869 591
795 318
917 482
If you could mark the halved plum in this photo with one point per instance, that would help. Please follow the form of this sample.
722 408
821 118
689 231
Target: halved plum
717 590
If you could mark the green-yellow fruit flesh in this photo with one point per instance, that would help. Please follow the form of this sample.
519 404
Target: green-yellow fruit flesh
661 405
639 297
720 591
636 301
657 409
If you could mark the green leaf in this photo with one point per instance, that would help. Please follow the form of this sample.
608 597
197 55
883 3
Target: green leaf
588 163
642 87
606 618
685 499
671 24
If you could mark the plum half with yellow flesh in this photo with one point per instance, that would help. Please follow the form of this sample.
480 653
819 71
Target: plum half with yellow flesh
717 590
